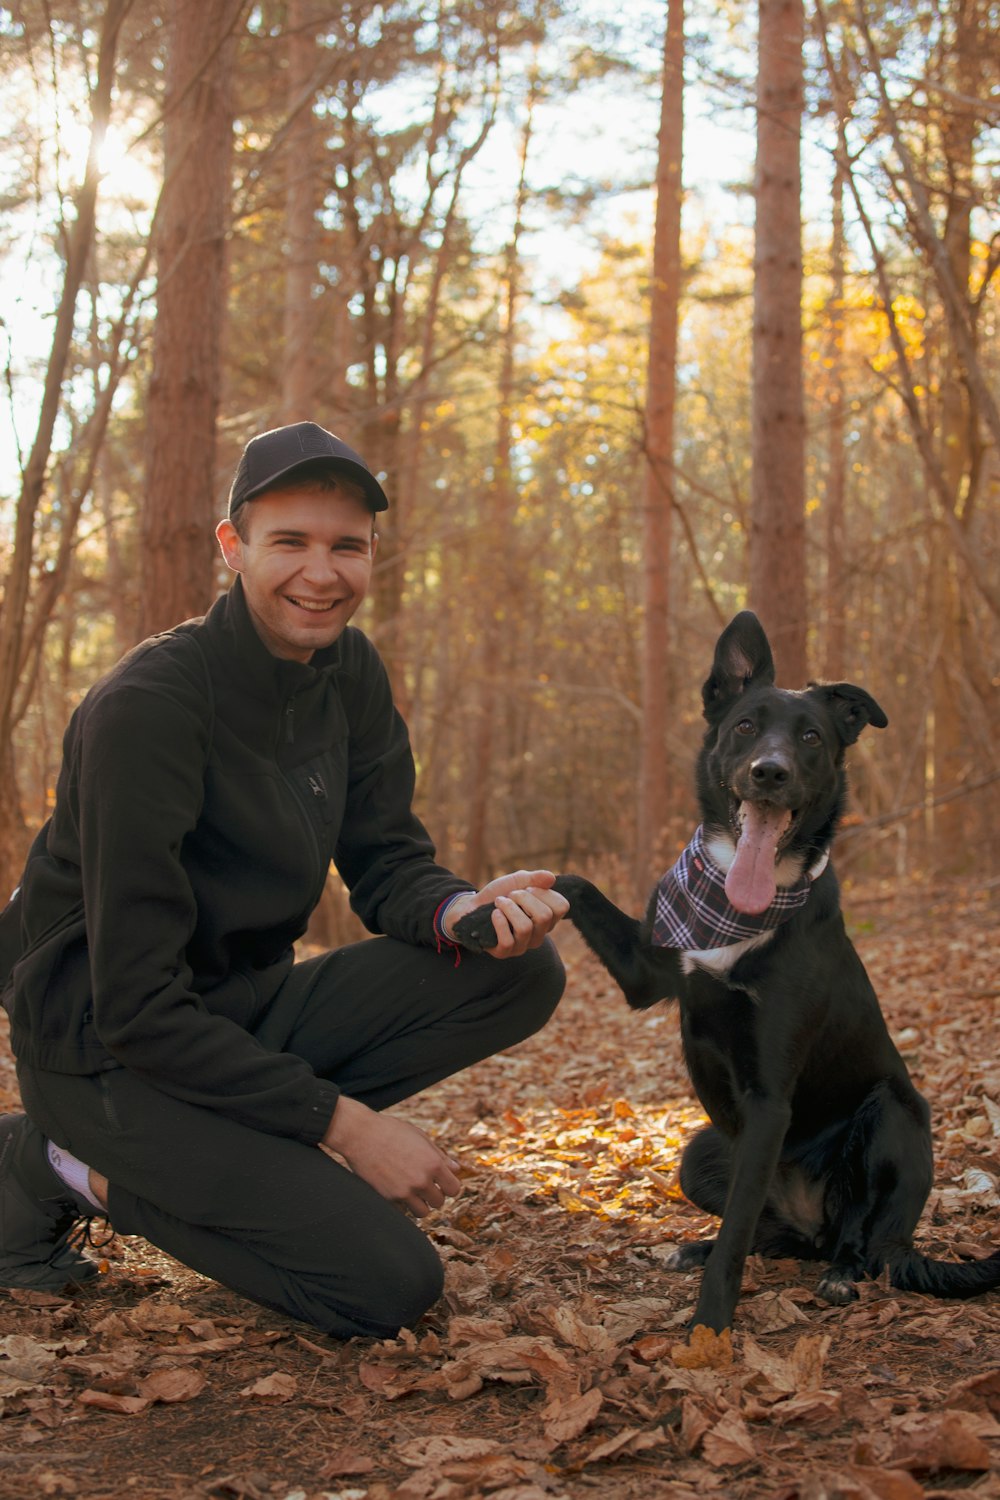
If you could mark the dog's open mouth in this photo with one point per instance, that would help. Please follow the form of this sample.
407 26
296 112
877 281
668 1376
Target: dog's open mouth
762 829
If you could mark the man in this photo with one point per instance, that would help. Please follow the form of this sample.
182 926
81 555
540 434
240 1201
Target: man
180 1072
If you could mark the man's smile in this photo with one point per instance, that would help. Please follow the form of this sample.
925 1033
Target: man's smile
315 606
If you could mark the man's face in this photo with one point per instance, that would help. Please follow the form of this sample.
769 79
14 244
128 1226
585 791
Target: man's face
305 562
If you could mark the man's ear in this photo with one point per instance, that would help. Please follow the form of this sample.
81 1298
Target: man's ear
231 544
742 659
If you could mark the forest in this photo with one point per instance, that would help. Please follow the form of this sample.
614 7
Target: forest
639 322
643 314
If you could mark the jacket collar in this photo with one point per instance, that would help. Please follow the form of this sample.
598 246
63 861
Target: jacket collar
249 666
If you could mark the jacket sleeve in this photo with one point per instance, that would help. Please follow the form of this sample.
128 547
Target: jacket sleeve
384 852
141 758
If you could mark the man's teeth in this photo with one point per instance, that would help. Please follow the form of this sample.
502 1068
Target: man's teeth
313 604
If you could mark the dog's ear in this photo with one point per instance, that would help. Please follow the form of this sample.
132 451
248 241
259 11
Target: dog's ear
852 708
742 657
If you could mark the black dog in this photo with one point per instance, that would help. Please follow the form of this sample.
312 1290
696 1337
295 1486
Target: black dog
819 1145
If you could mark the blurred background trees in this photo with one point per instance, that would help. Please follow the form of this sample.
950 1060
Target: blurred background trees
430 227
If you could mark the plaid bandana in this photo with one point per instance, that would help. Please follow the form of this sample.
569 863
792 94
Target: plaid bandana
693 912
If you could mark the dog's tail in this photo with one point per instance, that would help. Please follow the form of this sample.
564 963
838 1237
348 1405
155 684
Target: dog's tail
909 1271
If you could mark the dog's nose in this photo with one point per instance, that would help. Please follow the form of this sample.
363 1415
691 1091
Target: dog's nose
769 774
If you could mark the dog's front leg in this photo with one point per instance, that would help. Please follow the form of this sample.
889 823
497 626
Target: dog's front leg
644 973
755 1157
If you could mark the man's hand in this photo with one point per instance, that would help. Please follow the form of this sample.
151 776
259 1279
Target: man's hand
526 910
393 1156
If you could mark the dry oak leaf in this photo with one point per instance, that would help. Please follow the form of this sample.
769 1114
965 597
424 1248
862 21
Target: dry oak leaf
770 1312
24 1364
123 1406
705 1350
802 1370
390 1382
695 1422
525 1492
858 1482
48 1482
564 1420
174 1385
516 1361
444 1447
152 1316
651 1347
465 1286
344 1462
944 1440
273 1389
630 1440
889 1484
728 1443
819 1409
465 1330
979 1393
623 1321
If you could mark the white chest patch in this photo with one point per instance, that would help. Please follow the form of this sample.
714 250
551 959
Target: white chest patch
719 961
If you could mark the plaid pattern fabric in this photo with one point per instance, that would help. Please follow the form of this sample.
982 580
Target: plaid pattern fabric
693 912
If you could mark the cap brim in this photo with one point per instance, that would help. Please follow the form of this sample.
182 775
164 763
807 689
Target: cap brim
374 492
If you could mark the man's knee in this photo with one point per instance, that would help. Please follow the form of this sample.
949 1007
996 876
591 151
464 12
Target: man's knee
396 1282
541 981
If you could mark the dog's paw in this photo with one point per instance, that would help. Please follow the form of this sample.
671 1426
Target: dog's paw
475 930
838 1287
689 1257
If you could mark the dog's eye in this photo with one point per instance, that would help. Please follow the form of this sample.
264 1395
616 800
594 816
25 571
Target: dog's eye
745 726
811 737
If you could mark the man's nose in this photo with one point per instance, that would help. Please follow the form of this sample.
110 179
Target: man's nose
320 565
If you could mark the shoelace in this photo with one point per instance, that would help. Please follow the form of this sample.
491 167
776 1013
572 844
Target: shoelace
83 1233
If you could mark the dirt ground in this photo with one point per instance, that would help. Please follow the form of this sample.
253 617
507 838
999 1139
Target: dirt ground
557 1364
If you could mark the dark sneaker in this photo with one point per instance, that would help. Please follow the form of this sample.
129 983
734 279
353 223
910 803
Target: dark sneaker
37 1214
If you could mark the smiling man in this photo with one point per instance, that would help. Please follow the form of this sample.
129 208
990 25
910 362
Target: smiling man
181 1073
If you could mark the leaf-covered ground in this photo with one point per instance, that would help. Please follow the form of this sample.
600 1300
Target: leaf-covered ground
557 1364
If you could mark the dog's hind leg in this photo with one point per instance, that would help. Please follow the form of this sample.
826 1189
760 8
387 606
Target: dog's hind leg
706 1166
706 1170
877 1193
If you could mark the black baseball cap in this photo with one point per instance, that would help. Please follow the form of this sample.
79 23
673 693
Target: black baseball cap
283 452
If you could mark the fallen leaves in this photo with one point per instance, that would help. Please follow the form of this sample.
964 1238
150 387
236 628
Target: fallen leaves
558 1364
705 1350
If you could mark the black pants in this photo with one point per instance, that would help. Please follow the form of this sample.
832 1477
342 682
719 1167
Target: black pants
275 1220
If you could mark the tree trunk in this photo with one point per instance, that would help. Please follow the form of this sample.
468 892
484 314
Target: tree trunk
298 371
500 604
834 656
658 478
181 500
18 581
777 519
950 765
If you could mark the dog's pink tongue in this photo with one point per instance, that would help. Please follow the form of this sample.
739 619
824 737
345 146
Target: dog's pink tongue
750 884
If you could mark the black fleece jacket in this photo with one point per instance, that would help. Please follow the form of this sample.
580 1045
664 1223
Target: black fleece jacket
206 785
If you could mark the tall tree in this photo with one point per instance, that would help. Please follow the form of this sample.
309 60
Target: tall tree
658 447
299 376
502 603
180 498
834 500
13 621
777 518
